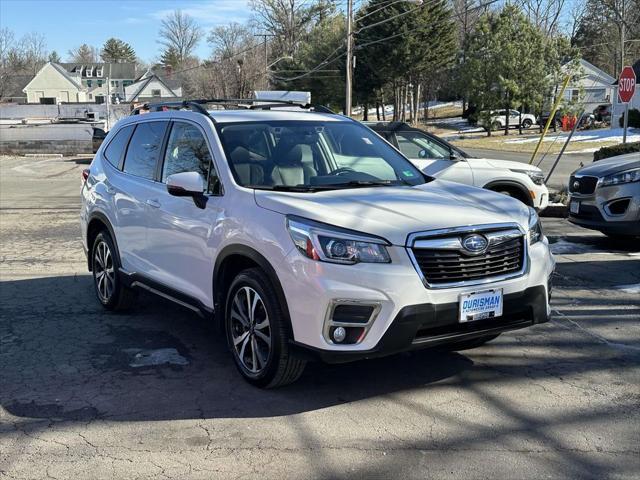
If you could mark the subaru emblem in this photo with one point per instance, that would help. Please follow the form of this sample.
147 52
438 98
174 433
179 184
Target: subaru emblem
475 243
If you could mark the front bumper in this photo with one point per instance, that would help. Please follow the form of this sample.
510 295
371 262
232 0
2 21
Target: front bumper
398 293
539 197
429 325
597 211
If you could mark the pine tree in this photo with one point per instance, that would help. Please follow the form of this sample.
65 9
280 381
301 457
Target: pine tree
54 57
115 50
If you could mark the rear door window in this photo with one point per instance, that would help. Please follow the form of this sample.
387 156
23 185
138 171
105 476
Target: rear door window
115 150
417 145
144 149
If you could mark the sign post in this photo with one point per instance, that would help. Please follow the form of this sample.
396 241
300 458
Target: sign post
626 89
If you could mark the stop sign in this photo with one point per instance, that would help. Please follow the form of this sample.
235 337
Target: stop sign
626 84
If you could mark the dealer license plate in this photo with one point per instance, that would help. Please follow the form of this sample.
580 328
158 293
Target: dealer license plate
480 305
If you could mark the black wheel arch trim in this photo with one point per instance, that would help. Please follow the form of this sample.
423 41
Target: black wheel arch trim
105 221
511 183
264 264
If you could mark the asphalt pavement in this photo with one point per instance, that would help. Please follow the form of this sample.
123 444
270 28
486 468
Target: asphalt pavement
153 393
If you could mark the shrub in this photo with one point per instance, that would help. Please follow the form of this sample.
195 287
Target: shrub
622 148
634 118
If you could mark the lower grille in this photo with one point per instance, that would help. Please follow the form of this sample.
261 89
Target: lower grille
582 185
442 266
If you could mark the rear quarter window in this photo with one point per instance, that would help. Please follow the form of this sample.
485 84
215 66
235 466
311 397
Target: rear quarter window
144 149
117 146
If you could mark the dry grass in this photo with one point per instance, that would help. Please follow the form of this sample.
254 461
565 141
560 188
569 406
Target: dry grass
498 142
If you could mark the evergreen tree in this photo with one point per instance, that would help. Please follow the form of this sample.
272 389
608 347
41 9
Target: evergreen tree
54 57
115 50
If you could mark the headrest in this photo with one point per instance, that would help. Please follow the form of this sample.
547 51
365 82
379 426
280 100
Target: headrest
240 155
287 155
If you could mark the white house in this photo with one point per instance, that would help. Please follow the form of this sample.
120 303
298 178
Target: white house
590 86
154 84
618 108
75 82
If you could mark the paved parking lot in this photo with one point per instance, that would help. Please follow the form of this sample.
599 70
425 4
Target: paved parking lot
153 393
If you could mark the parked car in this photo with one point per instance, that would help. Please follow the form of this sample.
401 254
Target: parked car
498 119
602 113
605 195
436 157
557 119
304 235
97 138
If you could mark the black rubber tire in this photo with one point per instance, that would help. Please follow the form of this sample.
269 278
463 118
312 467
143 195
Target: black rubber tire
282 367
122 297
496 126
472 343
527 123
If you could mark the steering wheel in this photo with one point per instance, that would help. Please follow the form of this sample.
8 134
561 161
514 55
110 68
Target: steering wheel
342 170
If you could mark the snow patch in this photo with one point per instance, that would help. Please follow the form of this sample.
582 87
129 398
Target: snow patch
632 288
604 135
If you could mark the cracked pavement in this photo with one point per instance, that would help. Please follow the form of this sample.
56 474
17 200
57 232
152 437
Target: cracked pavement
559 400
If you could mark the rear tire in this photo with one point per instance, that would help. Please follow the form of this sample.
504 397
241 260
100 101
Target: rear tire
472 343
256 332
496 126
105 265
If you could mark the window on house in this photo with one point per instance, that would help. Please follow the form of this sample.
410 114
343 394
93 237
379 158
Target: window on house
126 83
98 71
155 93
89 72
89 83
99 83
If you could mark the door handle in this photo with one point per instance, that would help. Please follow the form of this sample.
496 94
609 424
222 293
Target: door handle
153 203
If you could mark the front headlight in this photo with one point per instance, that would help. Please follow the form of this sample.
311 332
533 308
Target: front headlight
536 176
336 245
624 177
535 227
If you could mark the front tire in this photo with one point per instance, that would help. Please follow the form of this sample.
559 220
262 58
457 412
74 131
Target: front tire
527 123
111 292
256 332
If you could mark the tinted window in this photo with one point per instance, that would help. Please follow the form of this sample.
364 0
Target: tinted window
115 150
418 145
144 149
187 151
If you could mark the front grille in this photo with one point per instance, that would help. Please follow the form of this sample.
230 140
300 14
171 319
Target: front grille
441 266
582 185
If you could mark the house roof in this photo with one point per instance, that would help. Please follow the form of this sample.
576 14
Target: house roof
600 75
163 73
112 70
58 69
140 85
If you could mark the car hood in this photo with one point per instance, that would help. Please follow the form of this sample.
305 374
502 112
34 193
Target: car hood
611 165
507 164
395 212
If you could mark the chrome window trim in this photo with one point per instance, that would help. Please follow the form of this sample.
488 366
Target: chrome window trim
416 237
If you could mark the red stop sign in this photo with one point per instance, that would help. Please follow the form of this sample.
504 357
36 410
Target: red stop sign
626 84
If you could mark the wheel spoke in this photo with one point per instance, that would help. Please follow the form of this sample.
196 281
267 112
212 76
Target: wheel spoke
263 337
263 324
252 312
241 338
242 349
236 312
254 367
261 361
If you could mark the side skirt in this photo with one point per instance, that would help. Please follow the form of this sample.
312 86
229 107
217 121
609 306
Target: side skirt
138 281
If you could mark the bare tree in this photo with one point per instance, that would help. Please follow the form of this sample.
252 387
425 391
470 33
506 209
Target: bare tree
544 14
34 49
289 20
84 54
236 64
9 60
180 34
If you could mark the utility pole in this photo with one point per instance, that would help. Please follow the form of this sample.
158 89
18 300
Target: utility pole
108 99
266 56
347 97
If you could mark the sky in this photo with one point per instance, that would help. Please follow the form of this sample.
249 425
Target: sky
69 23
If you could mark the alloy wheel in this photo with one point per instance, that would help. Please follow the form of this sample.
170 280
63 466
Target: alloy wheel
250 330
104 272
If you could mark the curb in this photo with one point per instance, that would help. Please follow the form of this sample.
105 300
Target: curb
555 211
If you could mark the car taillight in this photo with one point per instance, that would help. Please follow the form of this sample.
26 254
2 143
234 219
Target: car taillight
85 174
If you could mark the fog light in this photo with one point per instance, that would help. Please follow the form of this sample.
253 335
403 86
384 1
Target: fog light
339 334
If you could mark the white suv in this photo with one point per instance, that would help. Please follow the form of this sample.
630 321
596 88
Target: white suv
304 235
438 158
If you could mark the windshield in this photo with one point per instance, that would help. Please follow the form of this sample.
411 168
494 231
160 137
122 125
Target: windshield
310 156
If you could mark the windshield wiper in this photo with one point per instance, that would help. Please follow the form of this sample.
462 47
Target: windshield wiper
292 188
366 183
